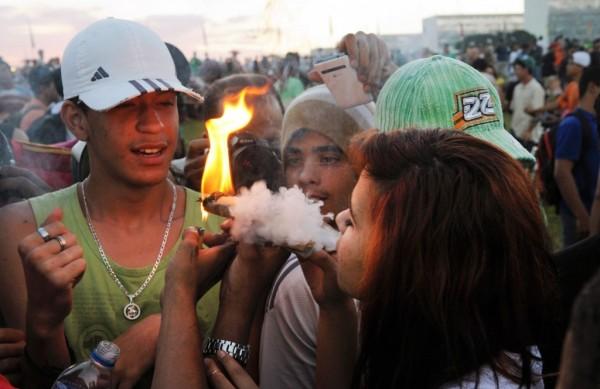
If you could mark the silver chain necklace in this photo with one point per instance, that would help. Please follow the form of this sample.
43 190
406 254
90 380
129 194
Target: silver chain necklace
131 311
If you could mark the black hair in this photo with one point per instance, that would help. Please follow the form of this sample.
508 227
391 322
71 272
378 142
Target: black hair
590 74
480 64
40 77
57 79
233 84
524 64
75 100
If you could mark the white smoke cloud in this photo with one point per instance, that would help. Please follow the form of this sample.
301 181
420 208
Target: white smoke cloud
285 218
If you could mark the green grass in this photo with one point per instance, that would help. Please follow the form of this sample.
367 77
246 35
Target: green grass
553 226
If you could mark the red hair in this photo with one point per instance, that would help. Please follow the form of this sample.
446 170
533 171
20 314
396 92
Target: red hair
458 269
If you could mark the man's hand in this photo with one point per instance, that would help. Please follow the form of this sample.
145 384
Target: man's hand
12 344
243 287
238 377
320 270
583 225
262 262
194 270
51 272
195 161
370 57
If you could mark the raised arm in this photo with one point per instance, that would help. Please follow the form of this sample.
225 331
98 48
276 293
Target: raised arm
53 264
568 190
191 273
337 337
370 56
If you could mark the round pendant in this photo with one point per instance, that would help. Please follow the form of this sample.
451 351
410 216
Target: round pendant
132 311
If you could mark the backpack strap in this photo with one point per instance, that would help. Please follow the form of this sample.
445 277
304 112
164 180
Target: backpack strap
586 129
586 135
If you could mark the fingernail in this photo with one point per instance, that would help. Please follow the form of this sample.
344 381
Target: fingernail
200 230
221 354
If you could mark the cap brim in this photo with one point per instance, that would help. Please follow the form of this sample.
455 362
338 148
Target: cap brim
504 140
112 94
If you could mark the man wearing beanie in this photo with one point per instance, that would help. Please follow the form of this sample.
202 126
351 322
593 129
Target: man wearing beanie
315 138
441 92
122 225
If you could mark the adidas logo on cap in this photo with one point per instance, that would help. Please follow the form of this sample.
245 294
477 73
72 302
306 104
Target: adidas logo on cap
100 74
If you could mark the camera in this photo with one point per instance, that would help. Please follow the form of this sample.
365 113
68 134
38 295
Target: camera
254 159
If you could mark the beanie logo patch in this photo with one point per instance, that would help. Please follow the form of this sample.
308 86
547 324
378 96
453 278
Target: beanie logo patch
473 107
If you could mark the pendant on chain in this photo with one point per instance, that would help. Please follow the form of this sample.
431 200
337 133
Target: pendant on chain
131 311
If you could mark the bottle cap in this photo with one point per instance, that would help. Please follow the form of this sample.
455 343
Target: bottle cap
106 353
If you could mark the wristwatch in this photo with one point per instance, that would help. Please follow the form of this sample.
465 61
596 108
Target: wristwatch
239 352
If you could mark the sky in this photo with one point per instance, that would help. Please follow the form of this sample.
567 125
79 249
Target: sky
216 27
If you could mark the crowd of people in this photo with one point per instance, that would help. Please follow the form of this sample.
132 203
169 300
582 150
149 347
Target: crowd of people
444 274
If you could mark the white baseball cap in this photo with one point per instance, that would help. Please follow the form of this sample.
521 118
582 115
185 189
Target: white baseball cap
582 58
113 60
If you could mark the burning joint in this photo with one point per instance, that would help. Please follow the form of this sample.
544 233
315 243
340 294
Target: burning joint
261 217
218 204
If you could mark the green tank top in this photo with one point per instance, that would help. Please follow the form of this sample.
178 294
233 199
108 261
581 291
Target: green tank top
98 302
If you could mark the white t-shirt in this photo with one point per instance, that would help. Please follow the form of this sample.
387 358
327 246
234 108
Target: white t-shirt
288 341
530 95
487 378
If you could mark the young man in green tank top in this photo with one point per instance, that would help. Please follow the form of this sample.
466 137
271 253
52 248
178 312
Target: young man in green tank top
112 235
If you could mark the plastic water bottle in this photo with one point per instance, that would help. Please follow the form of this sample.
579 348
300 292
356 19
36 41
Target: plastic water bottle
94 373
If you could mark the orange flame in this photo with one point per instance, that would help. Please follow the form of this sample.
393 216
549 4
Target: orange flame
236 115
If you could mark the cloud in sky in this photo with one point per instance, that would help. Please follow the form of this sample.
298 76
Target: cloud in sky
216 27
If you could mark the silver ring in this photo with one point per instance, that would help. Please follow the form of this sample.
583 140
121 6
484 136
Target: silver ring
44 234
61 241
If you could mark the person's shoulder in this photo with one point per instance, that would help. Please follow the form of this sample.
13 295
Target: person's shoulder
31 116
19 216
192 196
290 289
57 196
537 85
569 123
572 88
19 212
191 192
